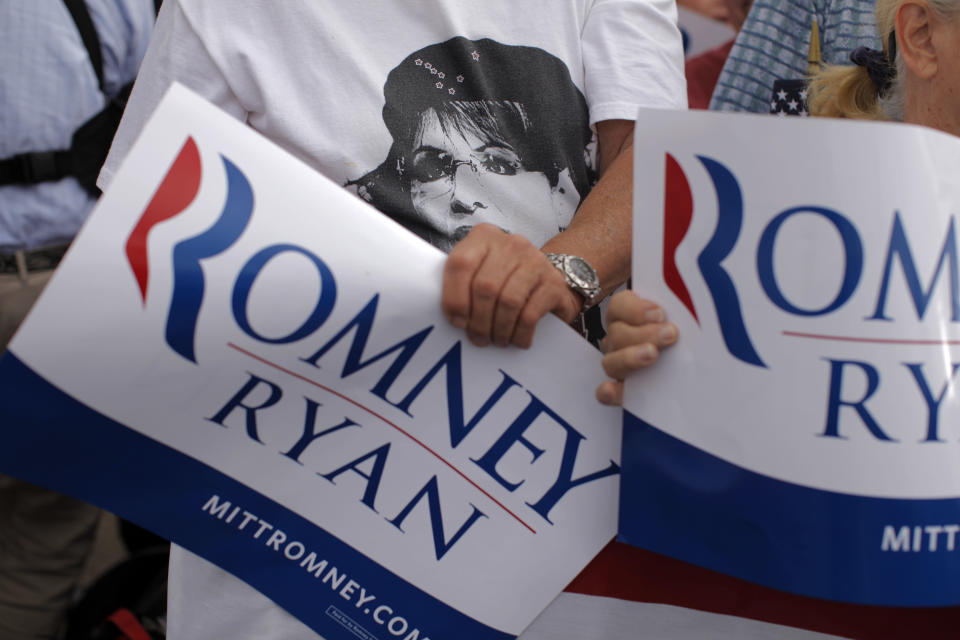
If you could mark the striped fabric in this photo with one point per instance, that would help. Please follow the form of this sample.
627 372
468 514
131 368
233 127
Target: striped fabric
627 592
774 41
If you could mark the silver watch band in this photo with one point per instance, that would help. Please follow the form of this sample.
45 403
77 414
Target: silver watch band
579 275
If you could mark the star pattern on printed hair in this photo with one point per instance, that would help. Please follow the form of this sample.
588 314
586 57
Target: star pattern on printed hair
459 78
439 85
418 62
451 91
441 75
475 55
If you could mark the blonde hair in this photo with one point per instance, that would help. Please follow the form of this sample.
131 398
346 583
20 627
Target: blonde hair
849 92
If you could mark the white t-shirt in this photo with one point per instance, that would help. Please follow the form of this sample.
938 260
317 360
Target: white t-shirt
496 90
311 77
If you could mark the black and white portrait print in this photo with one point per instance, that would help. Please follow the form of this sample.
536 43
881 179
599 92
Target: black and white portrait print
482 132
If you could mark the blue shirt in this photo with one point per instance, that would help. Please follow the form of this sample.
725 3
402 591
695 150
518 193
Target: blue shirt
774 42
48 88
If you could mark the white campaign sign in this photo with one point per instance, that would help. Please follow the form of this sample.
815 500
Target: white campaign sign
312 423
812 270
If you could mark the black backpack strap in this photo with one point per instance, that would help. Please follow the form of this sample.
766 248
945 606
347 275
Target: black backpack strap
88 33
40 166
90 142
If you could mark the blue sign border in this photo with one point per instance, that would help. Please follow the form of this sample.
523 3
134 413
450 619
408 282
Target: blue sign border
53 440
682 502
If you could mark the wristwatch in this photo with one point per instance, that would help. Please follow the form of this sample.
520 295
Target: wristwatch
580 276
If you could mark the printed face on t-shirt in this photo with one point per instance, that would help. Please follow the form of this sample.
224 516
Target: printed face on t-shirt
459 179
482 132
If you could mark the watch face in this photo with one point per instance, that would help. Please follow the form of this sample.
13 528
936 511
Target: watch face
581 270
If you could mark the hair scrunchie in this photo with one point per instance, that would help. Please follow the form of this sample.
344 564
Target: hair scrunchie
878 67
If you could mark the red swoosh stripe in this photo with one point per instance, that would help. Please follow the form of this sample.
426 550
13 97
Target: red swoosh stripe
178 189
677 215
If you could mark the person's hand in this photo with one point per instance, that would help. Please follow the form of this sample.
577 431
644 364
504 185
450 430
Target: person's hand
636 332
498 285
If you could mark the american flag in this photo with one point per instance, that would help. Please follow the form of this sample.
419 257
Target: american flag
627 593
789 98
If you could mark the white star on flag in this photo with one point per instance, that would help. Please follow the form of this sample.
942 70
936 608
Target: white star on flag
803 94
793 104
782 95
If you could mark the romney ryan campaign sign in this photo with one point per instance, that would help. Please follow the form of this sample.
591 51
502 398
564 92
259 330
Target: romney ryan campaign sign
247 359
803 433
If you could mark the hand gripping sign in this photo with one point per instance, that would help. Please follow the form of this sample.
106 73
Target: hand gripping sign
247 359
803 433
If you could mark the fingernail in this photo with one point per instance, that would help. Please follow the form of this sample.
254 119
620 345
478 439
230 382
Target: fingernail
647 353
668 333
459 322
604 395
478 340
655 315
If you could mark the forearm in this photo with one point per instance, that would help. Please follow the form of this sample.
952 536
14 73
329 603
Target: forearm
600 231
497 286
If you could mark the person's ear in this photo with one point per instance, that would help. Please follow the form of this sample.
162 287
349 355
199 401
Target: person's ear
737 12
914 25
